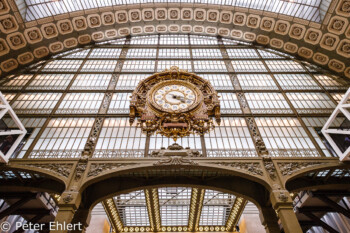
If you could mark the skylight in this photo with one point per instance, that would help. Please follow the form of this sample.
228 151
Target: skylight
313 10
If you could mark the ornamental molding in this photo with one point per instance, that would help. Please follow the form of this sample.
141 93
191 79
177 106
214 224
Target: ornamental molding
93 25
250 167
289 168
174 160
61 169
98 168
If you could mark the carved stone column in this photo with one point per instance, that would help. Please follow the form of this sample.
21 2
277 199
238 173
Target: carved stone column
68 205
81 217
68 212
283 205
269 219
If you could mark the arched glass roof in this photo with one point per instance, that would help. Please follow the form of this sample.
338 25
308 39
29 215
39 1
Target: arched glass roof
306 9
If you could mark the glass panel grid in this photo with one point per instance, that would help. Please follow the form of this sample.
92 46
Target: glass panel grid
50 81
174 203
285 137
80 103
63 138
132 208
36 103
216 208
230 139
119 139
91 82
256 82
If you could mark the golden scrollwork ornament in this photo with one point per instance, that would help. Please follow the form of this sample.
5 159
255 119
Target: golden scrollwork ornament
175 103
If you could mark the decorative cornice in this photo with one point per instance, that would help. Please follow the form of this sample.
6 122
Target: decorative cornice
327 47
175 160
250 167
98 168
62 169
288 169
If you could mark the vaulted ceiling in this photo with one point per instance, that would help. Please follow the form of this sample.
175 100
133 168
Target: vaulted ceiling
312 30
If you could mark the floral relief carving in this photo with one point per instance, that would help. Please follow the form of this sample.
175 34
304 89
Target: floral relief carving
305 52
71 42
79 23
62 169
282 27
290 168
135 15
174 160
313 36
161 14
4 48
213 16
16 40
49 30
261 39
84 39
267 24
198 29
253 21
8 24
33 35
94 20
226 17
98 168
252 168
329 41
270 168
122 16
174 28
336 65
41 52
344 8
25 58
344 48
9 65
337 25
64 27
97 36
111 33
291 47
174 14
199 15
236 33
108 18
4 7
239 19
320 58
148 15
224 32
186 28
276 43
56 47
186 14
297 31
68 198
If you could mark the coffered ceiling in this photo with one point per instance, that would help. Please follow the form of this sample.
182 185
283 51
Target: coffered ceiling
305 29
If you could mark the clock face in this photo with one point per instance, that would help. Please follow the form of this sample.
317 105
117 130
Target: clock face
175 97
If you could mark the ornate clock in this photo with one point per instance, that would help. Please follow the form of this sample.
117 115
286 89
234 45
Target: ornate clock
174 103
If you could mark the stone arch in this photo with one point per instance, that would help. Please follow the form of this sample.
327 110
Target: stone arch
325 45
302 181
236 182
40 181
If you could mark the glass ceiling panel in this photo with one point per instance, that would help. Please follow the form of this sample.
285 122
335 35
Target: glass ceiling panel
306 9
216 208
174 205
132 208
